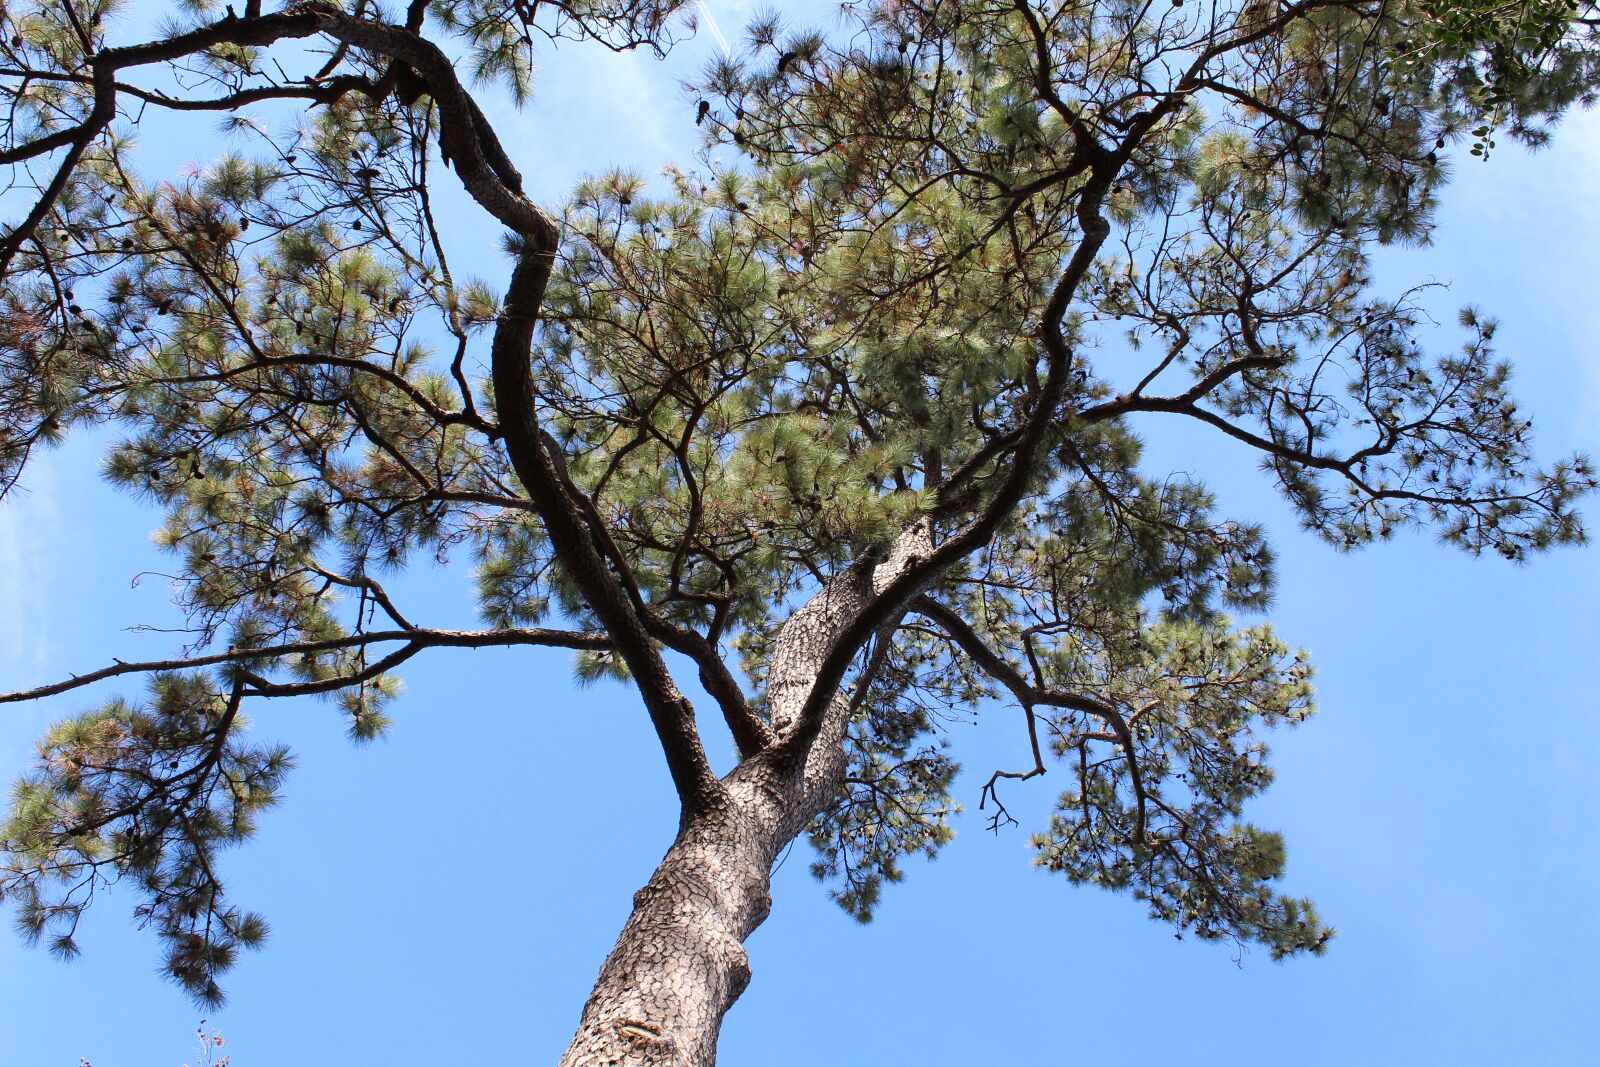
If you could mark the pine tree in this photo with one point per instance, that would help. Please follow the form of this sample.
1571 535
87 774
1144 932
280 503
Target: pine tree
827 417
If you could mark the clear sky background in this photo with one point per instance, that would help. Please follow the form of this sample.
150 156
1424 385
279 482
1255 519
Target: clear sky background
446 895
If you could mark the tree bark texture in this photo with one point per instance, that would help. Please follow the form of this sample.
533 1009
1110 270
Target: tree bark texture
680 962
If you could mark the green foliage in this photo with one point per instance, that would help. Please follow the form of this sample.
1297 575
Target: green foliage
915 188
896 800
146 796
933 268
1520 63
1160 818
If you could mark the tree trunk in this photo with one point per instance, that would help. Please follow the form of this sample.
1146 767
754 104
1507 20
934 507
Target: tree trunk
680 963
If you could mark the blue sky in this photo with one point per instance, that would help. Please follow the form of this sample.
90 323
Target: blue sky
447 894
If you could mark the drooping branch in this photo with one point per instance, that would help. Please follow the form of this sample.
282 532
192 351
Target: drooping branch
1030 696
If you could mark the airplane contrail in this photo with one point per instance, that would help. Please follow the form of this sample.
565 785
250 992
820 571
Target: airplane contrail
716 31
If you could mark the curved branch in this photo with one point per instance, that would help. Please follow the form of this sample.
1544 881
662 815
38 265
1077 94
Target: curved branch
490 178
492 181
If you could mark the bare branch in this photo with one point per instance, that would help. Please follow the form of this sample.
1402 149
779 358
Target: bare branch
414 638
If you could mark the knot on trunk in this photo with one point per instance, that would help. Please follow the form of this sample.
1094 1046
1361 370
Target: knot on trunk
644 1044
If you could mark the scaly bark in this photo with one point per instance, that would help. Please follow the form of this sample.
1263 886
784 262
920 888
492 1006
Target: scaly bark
680 962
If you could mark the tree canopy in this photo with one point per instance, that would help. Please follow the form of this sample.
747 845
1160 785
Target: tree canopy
839 415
